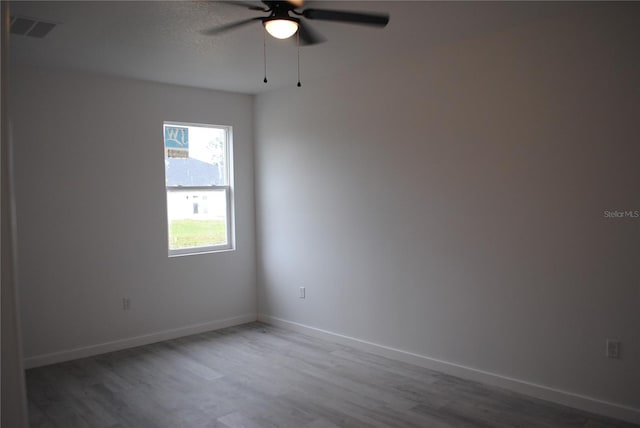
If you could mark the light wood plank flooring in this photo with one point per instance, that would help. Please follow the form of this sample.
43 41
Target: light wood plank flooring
261 376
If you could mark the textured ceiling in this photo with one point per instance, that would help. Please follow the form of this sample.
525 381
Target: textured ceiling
161 41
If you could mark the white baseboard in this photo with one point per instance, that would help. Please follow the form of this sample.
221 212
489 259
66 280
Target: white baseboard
131 342
566 398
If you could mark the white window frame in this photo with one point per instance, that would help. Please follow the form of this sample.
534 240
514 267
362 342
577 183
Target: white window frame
228 190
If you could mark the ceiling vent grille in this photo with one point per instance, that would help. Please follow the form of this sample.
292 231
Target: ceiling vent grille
30 27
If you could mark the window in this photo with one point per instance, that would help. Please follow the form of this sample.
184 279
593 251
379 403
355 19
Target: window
199 179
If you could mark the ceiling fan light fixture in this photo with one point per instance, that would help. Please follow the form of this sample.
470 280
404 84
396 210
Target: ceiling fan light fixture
281 28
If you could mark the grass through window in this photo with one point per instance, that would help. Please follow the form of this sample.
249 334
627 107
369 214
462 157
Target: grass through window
189 233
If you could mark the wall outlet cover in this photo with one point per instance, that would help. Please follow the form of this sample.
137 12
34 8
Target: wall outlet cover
613 348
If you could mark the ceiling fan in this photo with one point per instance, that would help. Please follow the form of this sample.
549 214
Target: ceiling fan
285 18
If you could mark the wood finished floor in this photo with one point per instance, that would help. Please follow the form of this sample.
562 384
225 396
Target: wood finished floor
246 377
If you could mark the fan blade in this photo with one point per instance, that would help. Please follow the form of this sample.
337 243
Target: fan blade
283 4
244 4
271 3
217 30
308 36
379 20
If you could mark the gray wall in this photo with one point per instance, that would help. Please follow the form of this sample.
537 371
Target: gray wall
450 203
92 213
13 407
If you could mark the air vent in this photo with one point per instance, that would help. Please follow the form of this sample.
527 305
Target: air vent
30 27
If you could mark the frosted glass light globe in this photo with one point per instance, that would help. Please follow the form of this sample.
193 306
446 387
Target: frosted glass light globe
281 28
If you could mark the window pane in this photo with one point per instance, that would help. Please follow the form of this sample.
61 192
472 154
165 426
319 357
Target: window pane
197 159
195 155
197 218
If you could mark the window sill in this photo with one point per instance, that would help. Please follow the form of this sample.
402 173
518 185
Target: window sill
199 251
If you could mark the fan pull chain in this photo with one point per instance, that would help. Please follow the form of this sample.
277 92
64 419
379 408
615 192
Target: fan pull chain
298 39
264 45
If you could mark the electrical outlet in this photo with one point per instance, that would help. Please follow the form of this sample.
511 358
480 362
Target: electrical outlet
302 292
126 304
613 348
